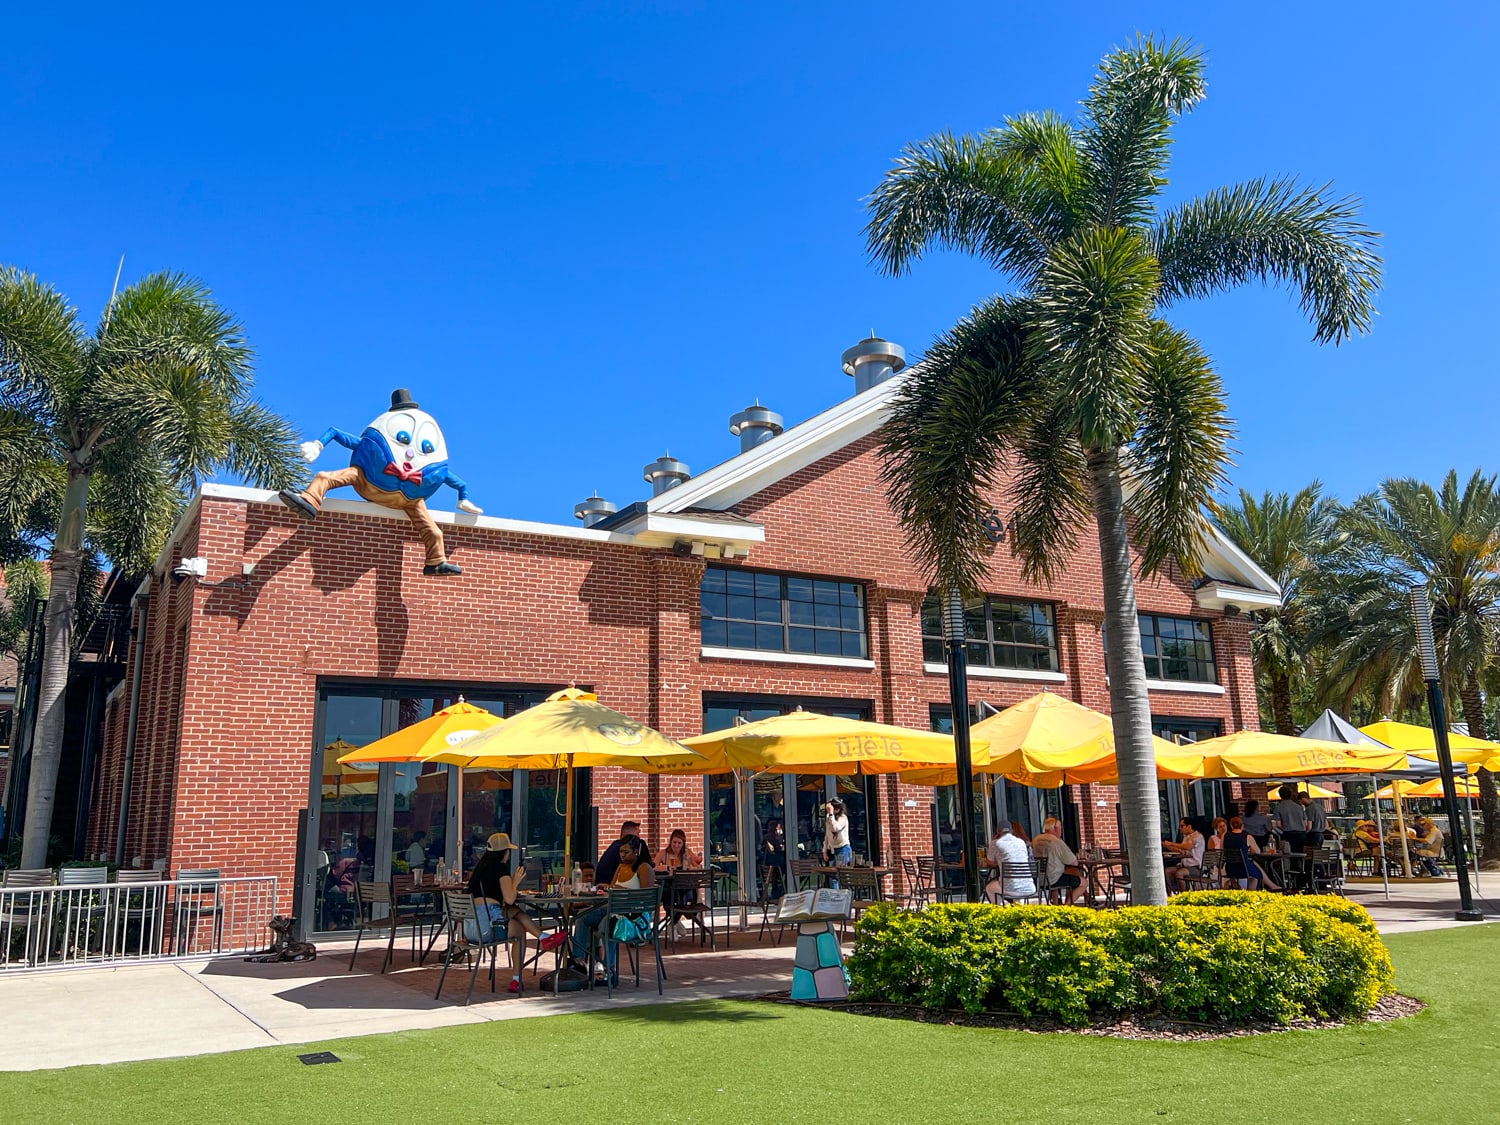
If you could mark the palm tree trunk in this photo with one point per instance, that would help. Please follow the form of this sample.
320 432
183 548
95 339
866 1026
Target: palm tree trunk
1472 702
46 756
1129 704
1281 703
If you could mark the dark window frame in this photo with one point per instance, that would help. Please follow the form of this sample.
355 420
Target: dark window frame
983 651
1176 666
764 611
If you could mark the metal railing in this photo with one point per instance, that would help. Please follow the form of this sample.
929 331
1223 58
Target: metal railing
90 924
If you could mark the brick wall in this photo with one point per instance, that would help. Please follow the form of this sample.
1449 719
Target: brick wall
225 733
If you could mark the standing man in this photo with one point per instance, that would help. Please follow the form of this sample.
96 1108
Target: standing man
1317 820
1291 822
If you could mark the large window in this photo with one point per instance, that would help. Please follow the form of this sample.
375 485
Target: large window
782 613
1177 648
998 633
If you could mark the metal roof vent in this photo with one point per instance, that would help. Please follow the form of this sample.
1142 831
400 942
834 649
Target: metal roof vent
666 472
755 425
594 510
872 361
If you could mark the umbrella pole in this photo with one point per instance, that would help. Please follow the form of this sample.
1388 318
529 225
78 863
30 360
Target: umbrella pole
1385 867
1401 828
568 824
1473 841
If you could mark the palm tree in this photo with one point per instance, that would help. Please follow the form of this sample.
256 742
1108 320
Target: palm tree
1405 533
1284 535
1075 383
127 417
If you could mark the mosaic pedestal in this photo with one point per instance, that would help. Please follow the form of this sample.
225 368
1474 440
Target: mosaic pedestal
818 973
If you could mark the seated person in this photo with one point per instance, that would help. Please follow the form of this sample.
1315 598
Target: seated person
675 855
634 872
630 830
1240 868
1189 848
494 891
1060 871
1366 842
1007 847
1429 846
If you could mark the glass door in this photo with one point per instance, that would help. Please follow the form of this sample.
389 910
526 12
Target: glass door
347 811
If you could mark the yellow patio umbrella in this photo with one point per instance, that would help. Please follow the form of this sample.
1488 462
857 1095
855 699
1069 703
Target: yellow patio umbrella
1316 792
1467 787
1249 753
807 742
1046 741
1419 741
1404 789
344 781
442 729
571 729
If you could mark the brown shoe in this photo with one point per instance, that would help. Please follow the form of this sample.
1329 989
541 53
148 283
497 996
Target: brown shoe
298 503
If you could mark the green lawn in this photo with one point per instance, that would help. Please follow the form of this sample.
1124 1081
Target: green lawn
759 1063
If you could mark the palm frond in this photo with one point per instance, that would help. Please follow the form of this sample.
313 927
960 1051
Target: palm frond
1128 116
173 320
957 192
1051 493
1091 310
41 345
947 434
133 505
1179 452
1275 231
263 448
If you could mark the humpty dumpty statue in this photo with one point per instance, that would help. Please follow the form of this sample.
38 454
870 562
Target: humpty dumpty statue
398 462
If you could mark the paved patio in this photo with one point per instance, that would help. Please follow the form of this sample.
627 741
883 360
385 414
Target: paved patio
84 1016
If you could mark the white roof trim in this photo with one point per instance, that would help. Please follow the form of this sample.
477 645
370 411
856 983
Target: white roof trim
668 527
745 474
456 519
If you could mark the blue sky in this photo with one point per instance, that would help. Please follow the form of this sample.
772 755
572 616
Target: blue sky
586 234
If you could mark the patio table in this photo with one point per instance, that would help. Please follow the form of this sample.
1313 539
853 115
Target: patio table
1091 866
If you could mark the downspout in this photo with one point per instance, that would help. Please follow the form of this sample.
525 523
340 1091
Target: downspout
140 603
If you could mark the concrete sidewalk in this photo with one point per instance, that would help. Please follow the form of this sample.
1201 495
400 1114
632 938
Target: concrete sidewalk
84 1016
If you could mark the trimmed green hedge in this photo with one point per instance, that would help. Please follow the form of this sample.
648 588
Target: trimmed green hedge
1214 956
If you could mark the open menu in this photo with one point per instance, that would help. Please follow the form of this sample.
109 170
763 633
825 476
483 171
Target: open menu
814 906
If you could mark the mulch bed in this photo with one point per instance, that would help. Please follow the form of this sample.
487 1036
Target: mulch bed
1392 1007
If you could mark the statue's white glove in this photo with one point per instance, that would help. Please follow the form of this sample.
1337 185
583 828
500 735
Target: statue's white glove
470 507
310 450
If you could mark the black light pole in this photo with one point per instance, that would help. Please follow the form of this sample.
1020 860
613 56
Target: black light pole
958 695
1422 612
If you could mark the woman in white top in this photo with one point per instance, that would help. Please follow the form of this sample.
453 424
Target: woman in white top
836 837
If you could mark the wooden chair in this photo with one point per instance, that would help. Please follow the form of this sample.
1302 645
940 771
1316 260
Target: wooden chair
804 874
630 906
458 910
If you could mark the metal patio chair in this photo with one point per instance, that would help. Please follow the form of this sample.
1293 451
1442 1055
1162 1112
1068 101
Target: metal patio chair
144 908
26 910
459 908
198 897
83 912
631 905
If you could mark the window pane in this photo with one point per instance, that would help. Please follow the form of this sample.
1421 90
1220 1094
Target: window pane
799 589
799 613
768 586
740 581
713 579
742 609
933 651
767 611
715 634
849 594
826 616
932 617
978 654
741 634
826 592
854 645
850 618
828 643
715 605
801 640
768 637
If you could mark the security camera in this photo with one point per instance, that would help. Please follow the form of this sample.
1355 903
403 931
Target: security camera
191 568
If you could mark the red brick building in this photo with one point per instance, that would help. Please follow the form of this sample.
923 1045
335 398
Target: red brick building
775 579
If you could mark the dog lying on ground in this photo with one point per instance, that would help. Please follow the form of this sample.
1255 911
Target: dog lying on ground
283 948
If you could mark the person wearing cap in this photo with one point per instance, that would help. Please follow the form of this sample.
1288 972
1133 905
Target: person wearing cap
1366 842
1429 846
494 891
